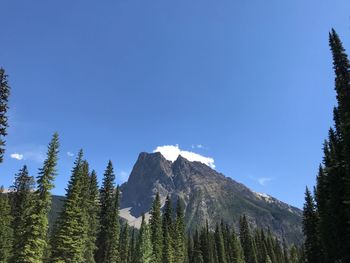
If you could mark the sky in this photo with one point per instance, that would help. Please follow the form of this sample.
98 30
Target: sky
246 85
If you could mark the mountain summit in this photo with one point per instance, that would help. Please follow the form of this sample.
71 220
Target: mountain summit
206 196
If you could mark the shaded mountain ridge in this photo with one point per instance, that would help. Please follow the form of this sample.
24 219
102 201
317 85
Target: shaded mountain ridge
206 195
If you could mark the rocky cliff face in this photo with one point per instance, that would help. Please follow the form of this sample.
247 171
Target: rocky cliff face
206 195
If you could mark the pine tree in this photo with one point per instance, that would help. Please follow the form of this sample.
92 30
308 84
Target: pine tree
247 241
179 235
197 256
206 244
132 247
22 203
237 251
310 229
6 231
167 226
70 236
107 241
144 246
36 241
294 257
285 252
156 230
93 220
341 183
219 244
124 244
4 95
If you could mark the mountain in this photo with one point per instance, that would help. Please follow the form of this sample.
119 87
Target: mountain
206 195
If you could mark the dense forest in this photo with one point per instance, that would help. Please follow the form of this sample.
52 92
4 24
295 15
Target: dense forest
89 228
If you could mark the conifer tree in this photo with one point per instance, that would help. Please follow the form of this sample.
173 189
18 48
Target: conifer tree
197 256
179 235
167 226
156 230
189 249
206 244
93 220
341 212
124 244
36 240
107 241
6 231
144 246
310 229
132 247
219 244
237 251
70 236
22 203
4 95
247 241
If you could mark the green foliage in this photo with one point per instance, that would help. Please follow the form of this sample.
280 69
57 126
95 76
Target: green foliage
108 237
156 230
310 229
124 244
6 232
36 224
219 244
327 223
247 241
167 226
144 246
4 95
92 218
179 234
22 205
71 233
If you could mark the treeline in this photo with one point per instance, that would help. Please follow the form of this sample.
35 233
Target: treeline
88 228
327 209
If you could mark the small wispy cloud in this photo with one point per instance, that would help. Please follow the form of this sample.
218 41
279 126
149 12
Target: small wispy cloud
171 152
123 176
17 156
197 146
263 180
29 152
70 154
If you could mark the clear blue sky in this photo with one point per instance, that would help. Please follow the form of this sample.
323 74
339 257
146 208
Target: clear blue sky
251 81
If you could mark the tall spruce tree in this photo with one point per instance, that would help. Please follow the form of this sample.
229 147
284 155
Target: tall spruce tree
70 237
132 247
36 240
124 244
341 67
179 235
219 244
247 241
92 216
107 240
4 96
22 203
6 231
197 256
156 229
237 251
144 246
167 226
310 229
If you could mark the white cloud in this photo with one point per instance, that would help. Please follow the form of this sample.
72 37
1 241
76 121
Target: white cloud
70 154
17 156
264 180
171 152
